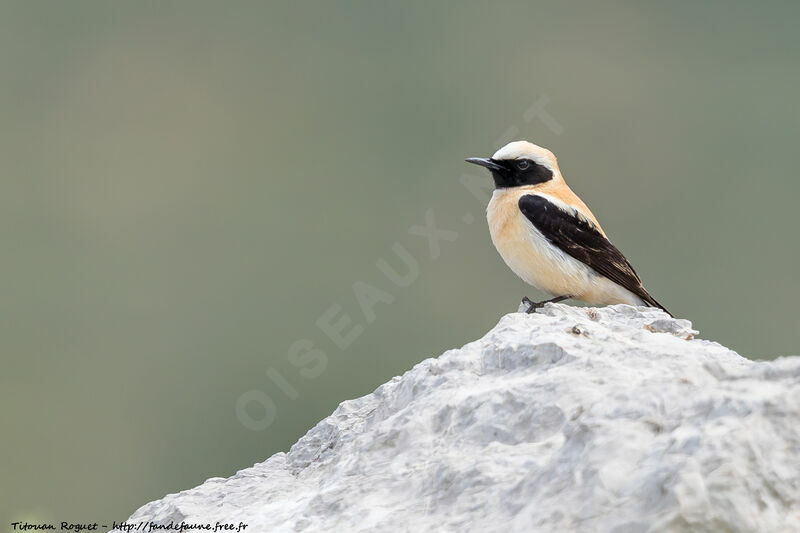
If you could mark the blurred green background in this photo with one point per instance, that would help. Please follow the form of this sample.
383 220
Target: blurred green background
186 187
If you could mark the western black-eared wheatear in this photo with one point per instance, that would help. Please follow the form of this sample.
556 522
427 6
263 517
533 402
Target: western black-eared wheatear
548 236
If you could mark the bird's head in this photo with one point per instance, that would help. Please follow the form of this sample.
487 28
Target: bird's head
520 163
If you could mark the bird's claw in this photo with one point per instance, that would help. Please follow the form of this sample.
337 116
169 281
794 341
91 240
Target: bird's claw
532 306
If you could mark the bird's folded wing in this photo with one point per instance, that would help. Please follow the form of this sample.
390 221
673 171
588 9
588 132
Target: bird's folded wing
580 238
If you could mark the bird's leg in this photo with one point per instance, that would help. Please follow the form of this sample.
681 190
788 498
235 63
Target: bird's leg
533 306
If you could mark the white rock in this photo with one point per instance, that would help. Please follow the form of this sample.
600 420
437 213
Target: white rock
570 419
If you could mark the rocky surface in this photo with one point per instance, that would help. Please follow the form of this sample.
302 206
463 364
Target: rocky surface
572 419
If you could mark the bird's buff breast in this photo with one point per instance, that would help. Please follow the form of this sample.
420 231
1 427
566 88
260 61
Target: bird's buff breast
528 253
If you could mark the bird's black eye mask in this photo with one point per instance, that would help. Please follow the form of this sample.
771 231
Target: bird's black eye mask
518 172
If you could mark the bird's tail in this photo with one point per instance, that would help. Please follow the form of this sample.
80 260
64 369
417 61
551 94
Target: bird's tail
649 300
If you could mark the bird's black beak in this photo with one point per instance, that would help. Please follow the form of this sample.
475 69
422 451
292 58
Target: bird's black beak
484 162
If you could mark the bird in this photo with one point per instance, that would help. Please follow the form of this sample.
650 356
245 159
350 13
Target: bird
548 237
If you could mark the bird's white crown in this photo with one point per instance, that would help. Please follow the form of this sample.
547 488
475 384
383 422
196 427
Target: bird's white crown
528 150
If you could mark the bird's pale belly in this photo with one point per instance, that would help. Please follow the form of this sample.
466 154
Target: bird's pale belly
538 262
534 259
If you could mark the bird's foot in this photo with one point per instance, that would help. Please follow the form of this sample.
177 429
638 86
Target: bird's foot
533 306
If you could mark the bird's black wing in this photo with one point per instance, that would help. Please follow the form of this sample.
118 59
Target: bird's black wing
579 238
